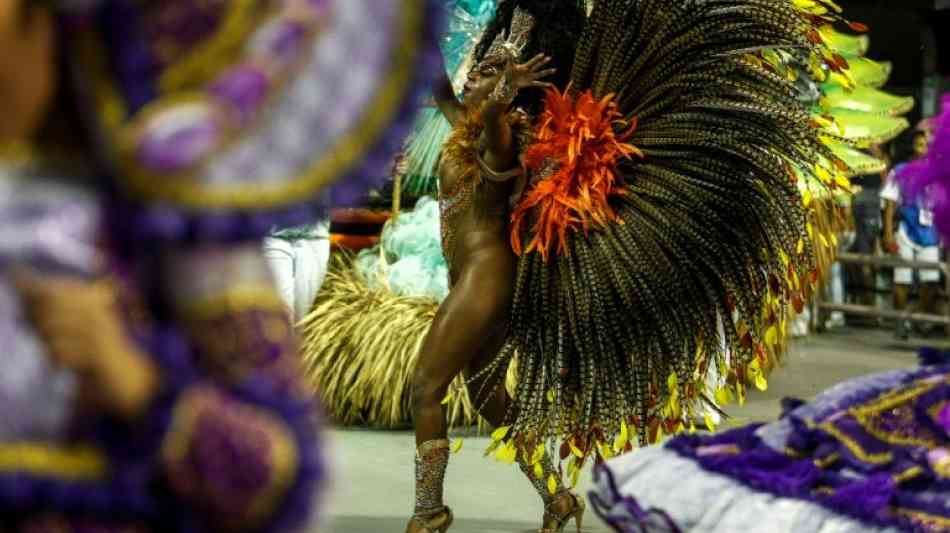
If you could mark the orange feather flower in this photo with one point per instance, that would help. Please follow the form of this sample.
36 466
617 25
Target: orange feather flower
581 139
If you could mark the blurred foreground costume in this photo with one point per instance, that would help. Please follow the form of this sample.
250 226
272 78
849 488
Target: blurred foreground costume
213 123
869 454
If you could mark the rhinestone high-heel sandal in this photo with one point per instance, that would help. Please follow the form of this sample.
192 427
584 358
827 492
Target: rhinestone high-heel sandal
430 515
577 514
439 522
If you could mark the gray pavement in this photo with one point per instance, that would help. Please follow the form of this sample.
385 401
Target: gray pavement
373 487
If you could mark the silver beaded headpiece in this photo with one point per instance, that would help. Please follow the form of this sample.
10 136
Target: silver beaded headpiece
509 45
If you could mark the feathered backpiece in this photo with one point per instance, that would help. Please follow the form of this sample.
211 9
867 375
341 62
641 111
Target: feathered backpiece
664 233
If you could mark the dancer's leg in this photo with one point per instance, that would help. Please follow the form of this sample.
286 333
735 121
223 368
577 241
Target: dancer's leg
475 307
465 320
497 410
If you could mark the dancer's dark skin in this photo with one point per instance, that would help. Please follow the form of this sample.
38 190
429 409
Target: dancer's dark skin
470 326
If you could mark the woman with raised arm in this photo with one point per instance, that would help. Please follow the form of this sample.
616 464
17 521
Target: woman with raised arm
662 236
479 173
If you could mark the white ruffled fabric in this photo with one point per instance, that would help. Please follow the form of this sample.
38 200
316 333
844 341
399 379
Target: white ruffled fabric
699 501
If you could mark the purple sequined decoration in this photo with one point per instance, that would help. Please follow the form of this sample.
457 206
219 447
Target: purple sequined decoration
852 461
279 42
244 88
179 138
172 27
929 177
944 418
216 446
232 147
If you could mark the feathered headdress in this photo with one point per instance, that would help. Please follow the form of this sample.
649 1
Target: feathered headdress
467 21
509 45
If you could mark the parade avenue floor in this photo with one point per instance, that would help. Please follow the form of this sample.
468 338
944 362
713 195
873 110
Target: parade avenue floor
373 490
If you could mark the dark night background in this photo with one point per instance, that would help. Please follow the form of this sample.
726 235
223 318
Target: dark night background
899 34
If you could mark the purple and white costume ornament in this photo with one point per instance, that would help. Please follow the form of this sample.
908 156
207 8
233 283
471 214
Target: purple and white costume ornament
51 227
869 455
930 175
214 122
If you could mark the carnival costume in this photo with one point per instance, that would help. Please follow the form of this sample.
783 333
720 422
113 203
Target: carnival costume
467 20
862 116
930 175
479 177
664 231
214 122
870 454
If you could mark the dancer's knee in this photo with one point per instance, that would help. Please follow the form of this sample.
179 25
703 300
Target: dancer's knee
427 389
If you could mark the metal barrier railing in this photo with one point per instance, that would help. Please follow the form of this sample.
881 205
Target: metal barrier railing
875 312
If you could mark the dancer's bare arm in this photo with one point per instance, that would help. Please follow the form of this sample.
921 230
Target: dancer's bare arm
444 95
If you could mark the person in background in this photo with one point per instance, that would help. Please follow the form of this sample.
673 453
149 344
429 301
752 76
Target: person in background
298 257
836 287
867 210
909 233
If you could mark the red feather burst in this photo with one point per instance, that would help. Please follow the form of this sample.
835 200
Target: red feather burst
580 135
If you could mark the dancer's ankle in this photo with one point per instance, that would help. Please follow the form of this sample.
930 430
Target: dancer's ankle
432 458
542 475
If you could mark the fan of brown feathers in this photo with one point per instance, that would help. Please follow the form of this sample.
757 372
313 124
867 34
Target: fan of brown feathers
706 236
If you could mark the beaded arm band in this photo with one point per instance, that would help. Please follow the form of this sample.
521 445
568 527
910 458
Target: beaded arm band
492 175
504 92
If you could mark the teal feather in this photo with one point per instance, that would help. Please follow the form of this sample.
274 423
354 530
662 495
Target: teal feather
412 250
422 152
467 20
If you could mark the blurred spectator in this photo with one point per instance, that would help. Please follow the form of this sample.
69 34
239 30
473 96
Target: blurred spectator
298 259
867 227
837 281
915 239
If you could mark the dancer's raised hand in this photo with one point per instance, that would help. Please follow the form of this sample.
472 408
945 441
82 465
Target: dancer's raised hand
519 76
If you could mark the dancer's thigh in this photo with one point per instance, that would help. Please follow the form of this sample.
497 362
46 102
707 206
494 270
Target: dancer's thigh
470 318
